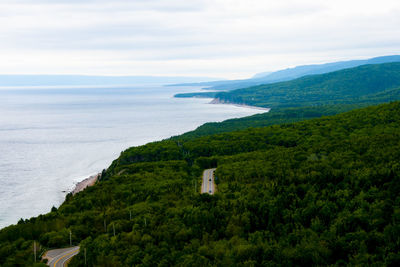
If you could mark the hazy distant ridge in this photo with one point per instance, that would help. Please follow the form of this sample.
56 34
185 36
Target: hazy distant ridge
293 73
303 70
373 83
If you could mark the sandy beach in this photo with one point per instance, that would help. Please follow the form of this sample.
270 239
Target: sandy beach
85 183
218 101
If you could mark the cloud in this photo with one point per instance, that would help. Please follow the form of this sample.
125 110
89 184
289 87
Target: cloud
204 37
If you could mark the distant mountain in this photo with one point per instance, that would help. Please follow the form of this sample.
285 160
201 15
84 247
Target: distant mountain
261 74
374 83
296 72
293 73
322 191
87 80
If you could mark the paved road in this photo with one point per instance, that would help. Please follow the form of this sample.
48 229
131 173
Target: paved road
208 185
60 257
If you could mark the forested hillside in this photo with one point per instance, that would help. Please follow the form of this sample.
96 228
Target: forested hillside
290 74
369 84
319 192
274 116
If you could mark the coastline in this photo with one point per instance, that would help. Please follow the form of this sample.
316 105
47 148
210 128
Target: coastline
91 180
186 117
217 101
82 185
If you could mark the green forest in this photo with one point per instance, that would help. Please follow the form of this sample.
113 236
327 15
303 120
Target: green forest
274 116
295 191
366 84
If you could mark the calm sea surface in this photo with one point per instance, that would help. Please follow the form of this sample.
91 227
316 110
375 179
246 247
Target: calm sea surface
52 138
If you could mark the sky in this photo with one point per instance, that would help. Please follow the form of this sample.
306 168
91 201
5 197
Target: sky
213 38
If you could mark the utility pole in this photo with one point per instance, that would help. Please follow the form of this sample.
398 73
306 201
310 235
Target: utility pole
34 250
70 238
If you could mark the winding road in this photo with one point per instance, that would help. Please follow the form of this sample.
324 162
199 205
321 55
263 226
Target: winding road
208 185
60 257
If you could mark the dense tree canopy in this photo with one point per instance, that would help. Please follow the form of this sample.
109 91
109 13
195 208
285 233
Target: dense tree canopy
318 192
368 84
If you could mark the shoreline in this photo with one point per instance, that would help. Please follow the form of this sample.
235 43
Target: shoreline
82 185
217 101
91 180
73 184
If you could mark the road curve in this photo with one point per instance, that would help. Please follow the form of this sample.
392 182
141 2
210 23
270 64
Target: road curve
60 257
208 185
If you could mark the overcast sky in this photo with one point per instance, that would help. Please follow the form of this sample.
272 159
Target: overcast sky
217 38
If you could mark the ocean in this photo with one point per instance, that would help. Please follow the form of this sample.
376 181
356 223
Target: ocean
52 138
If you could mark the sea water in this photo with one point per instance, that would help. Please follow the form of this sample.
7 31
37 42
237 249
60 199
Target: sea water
51 138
